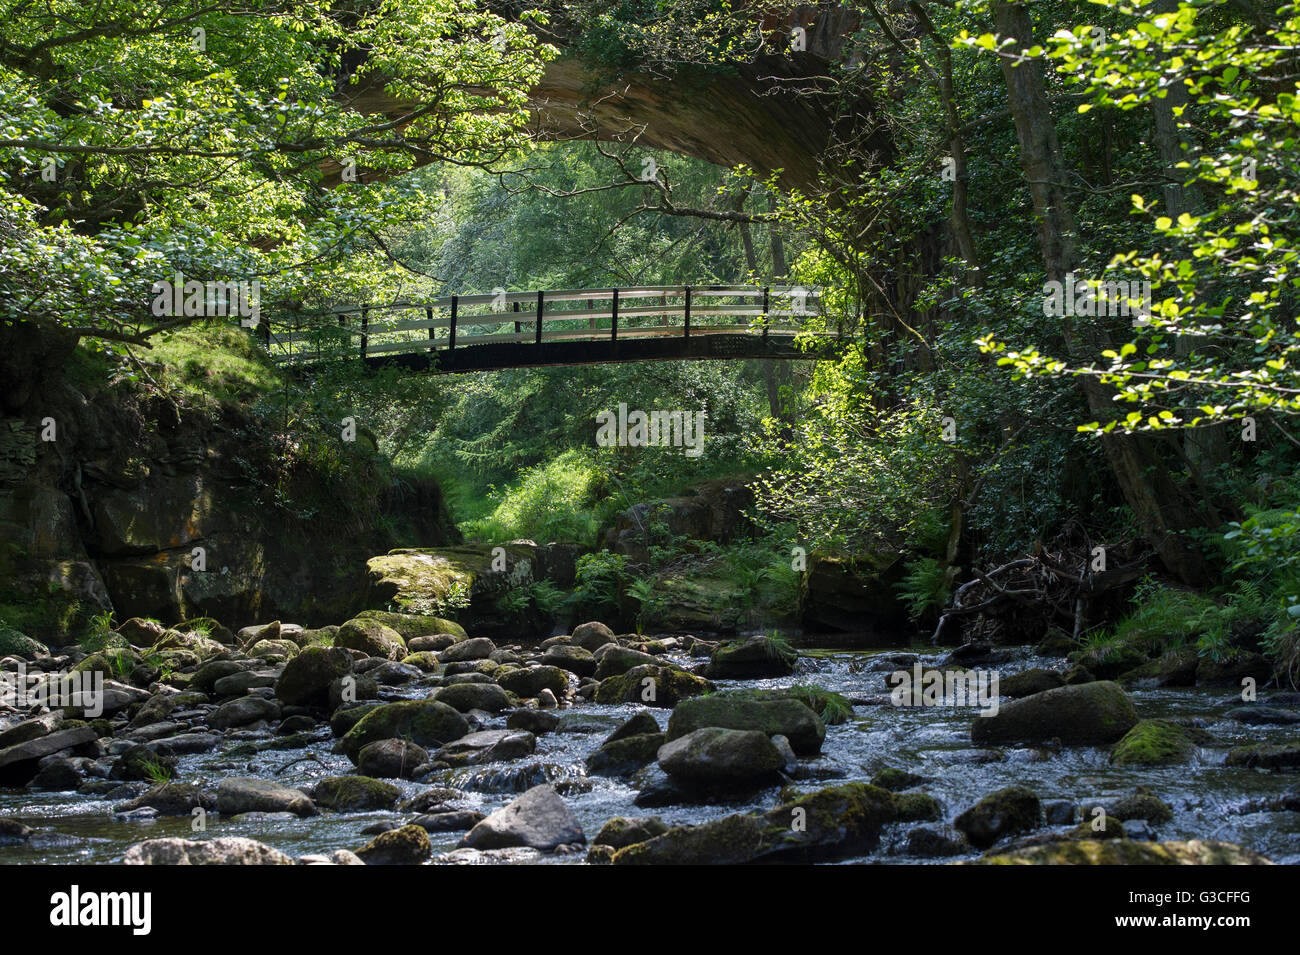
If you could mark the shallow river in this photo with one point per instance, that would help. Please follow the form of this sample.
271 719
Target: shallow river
1207 798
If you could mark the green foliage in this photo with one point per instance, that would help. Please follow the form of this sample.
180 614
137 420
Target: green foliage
599 582
550 502
926 586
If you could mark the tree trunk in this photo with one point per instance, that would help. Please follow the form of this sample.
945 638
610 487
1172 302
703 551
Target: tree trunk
1159 505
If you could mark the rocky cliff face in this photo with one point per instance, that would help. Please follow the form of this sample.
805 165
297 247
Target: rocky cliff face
119 499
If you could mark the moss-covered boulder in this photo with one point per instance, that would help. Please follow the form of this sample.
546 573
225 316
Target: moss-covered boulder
1154 743
1029 682
1005 812
306 679
415 625
1140 804
624 831
391 759
592 636
1173 669
574 659
618 660
1245 664
1281 756
474 696
917 807
355 794
1091 713
721 757
831 823
265 649
662 686
624 756
424 660
528 682
115 663
140 631
408 845
754 658
372 638
428 723
1126 852
789 718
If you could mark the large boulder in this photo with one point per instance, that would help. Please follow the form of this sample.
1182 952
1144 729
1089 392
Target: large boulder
574 659
788 718
662 686
625 755
241 712
414 626
236 795
538 819
754 658
831 823
355 794
226 850
1284 756
1087 714
1155 743
371 638
592 636
408 845
306 678
617 660
474 696
427 723
1005 812
717 756
19 763
528 682
391 759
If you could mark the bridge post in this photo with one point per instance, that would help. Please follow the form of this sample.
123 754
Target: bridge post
540 294
686 326
613 324
451 329
365 327
517 328
428 315
767 292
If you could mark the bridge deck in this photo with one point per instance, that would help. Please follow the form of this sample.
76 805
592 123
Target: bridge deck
576 326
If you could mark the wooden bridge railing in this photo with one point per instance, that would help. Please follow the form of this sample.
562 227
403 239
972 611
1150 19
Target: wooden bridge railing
612 314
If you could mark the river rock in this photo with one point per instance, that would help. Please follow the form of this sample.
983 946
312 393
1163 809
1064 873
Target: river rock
18 764
1285 756
240 682
144 763
753 658
625 755
1155 743
624 831
530 681
714 755
476 648
1002 813
1262 716
617 660
663 686
536 722
574 659
1091 713
372 638
592 636
226 850
454 820
243 711
355 794
539 819
464 697
789 718
306 679
171 799
1029 682
427 723
236 795
408 845
832 823
391 759
488 746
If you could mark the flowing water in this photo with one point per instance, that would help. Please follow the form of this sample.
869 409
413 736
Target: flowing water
1208 799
